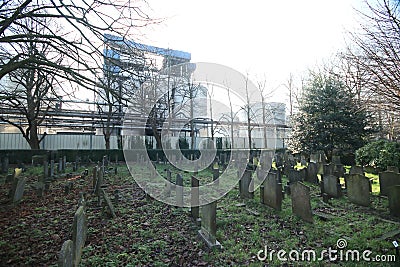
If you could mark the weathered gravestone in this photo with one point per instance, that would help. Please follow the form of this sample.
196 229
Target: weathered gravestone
216 175
358 189
45 170
52 168
311 173
386 180
339 170
301 203
393 169
60 165
4 165
329 169
356 170
64 163
194 199
17 189
179 190
108 202
296 176
79 233
208 229
394 200
246 185
167 189
65 257
272 193
99 181
332 186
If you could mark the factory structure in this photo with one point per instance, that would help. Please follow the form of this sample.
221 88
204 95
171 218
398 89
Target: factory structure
129 69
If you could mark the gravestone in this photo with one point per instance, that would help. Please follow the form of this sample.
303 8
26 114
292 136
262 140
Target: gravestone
105 161
64 163
339 170
358 189
208 229
295 176
386 180
246 185
99 181
356 170
329 169
393 169
301 203
311 174
332 186
216 175
179 190
17 189
51 168
65 257
107 200
272 193
167 188
394 200
261 174
4 165
60 165
194 199
79 232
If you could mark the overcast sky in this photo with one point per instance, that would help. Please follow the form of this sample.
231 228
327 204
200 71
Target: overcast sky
271 37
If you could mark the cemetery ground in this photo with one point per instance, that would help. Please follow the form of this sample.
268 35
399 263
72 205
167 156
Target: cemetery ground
146 232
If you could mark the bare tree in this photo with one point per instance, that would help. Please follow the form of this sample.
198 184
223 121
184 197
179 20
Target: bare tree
31 93
81 42
376 49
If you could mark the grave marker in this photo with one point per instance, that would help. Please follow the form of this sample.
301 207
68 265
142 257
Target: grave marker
65 257
272 193
4 165
194 201
60 164
17 189
216 175
79 232
108 203
51 168
295 176
394 200
356 170
386 180
332 186
99 181
311 173
64 163
246 185
301 204
208 229
358 189
179 190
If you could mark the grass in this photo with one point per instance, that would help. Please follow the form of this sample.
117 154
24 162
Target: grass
150 233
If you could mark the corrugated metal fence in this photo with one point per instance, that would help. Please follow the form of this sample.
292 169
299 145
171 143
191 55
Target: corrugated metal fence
81 141
58 141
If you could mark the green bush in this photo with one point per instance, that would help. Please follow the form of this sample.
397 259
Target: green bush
379 154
